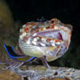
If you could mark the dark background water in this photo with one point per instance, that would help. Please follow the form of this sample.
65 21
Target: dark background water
67 11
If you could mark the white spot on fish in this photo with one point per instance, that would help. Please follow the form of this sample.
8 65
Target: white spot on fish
21 37
43 39
44 28
24 26
28 41
55 27
24 34
34 34
33 42
52 42
58 43
42 44
21 30
35 39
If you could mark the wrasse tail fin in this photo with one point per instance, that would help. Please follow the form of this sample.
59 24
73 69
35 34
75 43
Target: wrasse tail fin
15 56
11 52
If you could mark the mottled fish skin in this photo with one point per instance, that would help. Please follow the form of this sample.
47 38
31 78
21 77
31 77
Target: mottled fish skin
49 38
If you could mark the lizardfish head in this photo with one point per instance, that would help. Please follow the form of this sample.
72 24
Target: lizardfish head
50 36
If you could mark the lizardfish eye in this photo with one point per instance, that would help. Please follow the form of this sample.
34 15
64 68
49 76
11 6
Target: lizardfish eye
52 21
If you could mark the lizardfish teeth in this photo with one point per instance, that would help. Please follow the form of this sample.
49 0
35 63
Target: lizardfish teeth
42 44
24 26
34 34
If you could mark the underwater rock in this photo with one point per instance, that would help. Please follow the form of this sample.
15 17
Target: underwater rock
55 73
41 73
5 14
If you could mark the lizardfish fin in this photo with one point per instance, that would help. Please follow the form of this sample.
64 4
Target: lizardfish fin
11 52
44 61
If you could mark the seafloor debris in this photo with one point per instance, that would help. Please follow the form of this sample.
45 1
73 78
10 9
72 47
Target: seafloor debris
56 73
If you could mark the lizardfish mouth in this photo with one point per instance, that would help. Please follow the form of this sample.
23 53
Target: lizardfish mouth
53 34
49 38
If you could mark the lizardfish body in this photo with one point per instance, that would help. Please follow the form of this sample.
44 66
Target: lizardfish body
48 40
